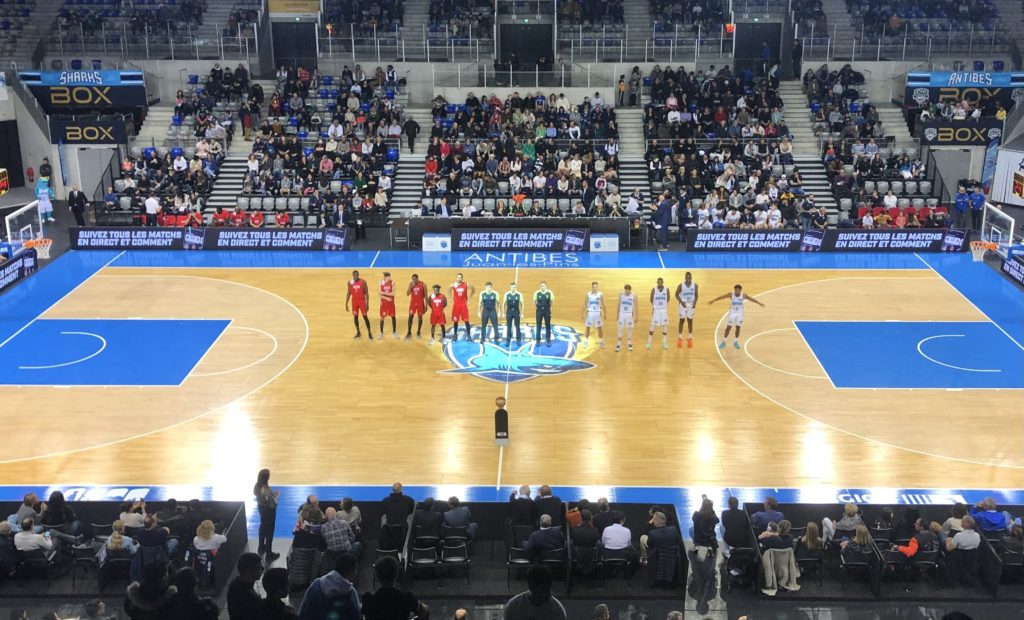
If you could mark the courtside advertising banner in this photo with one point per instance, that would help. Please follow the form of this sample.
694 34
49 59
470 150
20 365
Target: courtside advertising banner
526 239
209 238
16 269
1014 269
830 240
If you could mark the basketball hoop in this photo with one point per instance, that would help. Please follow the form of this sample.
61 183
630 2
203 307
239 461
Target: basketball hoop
978 249
41 245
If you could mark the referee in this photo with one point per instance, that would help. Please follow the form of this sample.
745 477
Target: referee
488 312
513 315
542 300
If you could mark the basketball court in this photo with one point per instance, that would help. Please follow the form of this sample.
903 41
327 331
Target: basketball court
195 369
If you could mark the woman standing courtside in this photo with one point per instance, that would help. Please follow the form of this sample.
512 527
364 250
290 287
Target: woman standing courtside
266 502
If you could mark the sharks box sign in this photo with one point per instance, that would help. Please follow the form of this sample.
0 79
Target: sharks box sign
942 132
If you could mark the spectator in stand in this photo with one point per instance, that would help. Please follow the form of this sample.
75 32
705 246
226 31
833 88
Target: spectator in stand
547 538
521 507
760 520
537 601
735 527
333 594
389 602
242 600
586 535
275 584
459 516
206 538
548 504
28 540
988 518
705 522
185 604
152 596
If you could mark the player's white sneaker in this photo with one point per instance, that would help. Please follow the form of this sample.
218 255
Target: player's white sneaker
586 343
618 347
631 347
664 344
432 342
380 336
648 346
602 344
397 335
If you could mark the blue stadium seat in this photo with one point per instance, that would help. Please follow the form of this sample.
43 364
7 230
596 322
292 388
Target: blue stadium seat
193 79
176 121
327 80
302 135
293 121
177 151
307 151
148 152
76 64
392 154
979 65
998 65
97 64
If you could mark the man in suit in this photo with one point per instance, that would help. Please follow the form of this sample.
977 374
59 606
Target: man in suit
458 515
76 202
585 534
662 219
660 537
547 538
397 506
426 521
604 516
411 129
548 504
520 506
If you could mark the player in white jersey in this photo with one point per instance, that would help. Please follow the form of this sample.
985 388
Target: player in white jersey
736 299
593 314
659 313
627 316
686 293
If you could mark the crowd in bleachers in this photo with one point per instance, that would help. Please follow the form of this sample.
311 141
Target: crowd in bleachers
330 142
463 19
884 16
520 151
706 13
242 21
719 151
875 185
76 17
592 12
343 17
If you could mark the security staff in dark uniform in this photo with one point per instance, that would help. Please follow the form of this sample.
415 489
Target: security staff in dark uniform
488 312
542 300
77 202
513 314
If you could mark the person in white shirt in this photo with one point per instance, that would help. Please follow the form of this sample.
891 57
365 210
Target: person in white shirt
118 540
384 182
180 165
206 539
732 218
597 101
774 217
152 209
867 221
617 536
133 514
28 540
889 201
335 130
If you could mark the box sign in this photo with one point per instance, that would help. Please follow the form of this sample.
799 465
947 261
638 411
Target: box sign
108 130
86 91
940 132
526 239
954 86
829 240
295 7
94 238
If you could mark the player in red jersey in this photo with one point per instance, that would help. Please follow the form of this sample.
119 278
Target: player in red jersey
438 302
359 295
387 305
461 292
417 293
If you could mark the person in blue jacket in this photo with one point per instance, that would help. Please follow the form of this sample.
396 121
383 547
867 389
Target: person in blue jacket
977 199
333 596
961 205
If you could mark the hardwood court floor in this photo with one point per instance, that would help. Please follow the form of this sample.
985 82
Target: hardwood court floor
287 388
